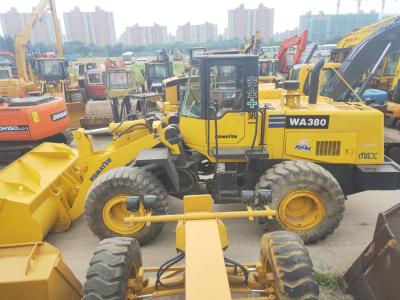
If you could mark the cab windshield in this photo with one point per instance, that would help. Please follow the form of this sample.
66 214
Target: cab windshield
119 80
157 71
51 68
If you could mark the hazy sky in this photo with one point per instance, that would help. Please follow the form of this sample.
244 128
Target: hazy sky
174 12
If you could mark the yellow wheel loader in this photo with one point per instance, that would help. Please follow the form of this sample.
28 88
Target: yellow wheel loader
285 270
224 140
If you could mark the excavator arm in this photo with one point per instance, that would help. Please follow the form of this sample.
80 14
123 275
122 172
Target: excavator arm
254 44
298 40
25 34
350 40
365 56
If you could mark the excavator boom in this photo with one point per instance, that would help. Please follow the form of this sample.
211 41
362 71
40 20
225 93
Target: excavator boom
21 41
298 40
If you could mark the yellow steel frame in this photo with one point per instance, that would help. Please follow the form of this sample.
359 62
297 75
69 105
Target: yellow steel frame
203 237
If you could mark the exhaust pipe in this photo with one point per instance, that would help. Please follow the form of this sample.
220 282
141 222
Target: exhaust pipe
314 82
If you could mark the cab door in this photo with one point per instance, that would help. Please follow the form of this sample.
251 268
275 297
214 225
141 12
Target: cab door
225 97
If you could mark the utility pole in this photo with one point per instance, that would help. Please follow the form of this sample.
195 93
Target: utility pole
337 7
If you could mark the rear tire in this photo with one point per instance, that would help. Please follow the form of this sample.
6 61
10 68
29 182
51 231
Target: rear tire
313 192
115 260
119 183
284 254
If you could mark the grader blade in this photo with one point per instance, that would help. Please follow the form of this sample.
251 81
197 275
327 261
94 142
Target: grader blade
375 274
36 193
36 271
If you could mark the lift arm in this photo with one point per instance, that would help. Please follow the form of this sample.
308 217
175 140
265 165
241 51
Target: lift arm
25 34
298 40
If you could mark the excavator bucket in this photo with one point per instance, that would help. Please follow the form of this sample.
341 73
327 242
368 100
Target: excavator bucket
36 271
375 274
36 193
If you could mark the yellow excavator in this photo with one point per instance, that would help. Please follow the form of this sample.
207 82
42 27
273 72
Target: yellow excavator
345 45
43 75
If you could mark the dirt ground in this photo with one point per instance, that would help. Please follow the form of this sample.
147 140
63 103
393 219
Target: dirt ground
335 254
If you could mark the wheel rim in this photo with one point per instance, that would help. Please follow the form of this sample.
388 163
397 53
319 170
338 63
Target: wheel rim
114 213
301 210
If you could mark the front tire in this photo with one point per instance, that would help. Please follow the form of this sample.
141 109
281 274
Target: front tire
115 260
105 205
308 199
284 255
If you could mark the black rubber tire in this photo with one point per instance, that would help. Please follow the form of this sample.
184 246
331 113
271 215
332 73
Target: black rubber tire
110 269
67 133
124 181
290 176
288 259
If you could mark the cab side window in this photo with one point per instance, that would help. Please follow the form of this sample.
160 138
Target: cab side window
226 87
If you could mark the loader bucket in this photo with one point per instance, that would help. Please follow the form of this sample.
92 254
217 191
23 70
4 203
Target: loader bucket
36 193
36 271
375 274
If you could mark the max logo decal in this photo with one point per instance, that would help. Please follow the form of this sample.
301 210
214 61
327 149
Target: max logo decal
368 155
100 170
303 145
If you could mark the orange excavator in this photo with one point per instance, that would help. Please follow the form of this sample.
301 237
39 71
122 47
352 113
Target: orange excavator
27 122
283 55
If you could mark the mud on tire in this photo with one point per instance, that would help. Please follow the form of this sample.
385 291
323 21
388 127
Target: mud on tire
297 175
115 260
283 253
124 181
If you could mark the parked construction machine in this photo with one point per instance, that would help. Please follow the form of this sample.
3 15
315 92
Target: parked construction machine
156 71
224 140
45 75
298 41
346 43
118 82
27 122
285 270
